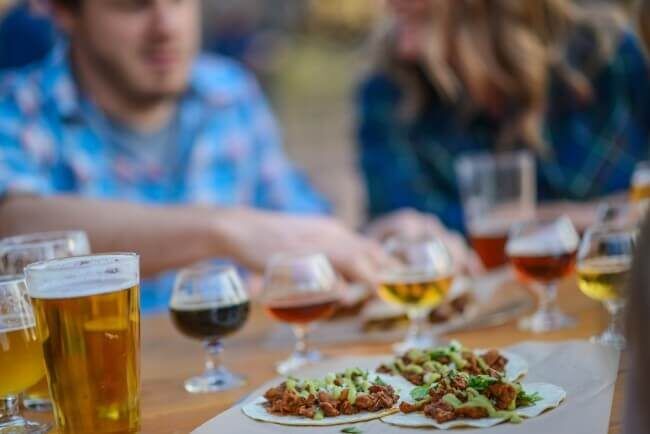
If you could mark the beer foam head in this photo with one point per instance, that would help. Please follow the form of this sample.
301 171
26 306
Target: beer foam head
82 275
556 238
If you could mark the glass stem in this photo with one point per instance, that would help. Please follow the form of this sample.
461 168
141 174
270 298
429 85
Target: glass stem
615 309
213 351
548 297
301 332
416 323
9 408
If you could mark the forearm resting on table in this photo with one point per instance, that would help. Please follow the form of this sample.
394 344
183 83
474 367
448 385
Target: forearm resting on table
165 236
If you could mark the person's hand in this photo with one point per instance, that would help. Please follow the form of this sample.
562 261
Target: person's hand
254 236
411 223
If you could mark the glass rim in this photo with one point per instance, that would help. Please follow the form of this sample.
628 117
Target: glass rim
11 279
60 264
286 257
36 239
202 268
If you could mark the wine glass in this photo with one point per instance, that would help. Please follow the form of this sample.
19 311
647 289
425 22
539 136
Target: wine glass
543 252
19 251
300 289
208 303
419 281
604 261
21 355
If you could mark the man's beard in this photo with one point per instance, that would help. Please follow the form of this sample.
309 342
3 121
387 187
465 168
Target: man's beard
119 82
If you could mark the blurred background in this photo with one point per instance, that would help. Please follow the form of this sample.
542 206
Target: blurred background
309 56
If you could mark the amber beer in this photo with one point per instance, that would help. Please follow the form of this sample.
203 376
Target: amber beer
21 356
88 311
640 189
544 268
302 309
415 290
489 242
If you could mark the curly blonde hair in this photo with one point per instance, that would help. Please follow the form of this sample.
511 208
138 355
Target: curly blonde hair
505 52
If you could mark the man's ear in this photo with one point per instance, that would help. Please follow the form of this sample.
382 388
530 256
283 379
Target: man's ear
64 17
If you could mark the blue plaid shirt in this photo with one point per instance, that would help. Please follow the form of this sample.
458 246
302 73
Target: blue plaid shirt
593 147
228 148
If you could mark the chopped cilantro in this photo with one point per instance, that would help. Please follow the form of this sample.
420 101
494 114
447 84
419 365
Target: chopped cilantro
351 430
419 393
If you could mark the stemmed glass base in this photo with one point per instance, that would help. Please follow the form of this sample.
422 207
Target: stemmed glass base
416 337
18 425
12 423
546 321
301 355
297 360
216 377
548 317
613 336
216 380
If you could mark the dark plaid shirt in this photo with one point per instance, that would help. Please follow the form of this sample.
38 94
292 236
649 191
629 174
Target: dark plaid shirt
593 146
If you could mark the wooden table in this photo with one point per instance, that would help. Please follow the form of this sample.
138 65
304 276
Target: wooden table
168 359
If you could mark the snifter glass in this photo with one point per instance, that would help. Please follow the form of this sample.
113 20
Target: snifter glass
208 303
418 281
87 312
542 253
21 355
604 262
19 251
300 290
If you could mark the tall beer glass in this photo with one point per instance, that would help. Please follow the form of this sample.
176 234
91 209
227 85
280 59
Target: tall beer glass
21 356
496 191
88 314
19 251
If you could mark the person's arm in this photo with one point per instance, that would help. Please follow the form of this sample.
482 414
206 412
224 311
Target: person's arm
173 236
165 237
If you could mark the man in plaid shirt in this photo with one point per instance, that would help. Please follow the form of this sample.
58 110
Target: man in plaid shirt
128 133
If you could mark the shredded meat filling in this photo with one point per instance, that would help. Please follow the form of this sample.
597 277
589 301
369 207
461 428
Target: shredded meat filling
284 402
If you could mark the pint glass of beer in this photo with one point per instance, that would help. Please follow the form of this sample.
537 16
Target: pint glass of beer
496 190
19 251
88 315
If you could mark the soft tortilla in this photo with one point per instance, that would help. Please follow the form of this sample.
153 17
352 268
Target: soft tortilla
551 395
516 367
256 410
